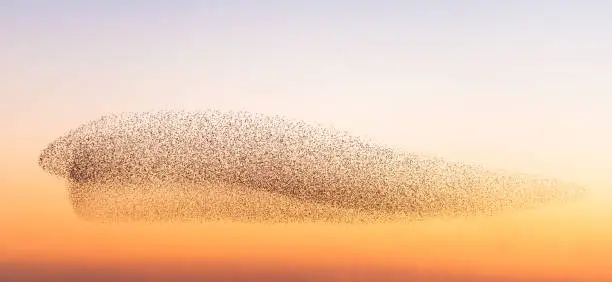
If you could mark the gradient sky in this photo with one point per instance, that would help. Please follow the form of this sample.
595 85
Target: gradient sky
520 85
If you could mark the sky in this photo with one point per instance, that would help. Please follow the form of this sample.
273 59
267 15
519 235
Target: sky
517 85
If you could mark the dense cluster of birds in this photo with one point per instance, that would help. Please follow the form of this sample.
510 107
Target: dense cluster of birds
239 166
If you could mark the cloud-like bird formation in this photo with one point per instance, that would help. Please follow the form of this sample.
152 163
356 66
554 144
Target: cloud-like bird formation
247 167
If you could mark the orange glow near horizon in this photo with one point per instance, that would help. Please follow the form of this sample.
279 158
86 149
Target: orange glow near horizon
553 241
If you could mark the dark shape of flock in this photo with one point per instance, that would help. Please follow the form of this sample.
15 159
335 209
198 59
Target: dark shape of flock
246 167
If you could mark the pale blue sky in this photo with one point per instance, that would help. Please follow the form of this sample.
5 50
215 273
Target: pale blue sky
513 83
